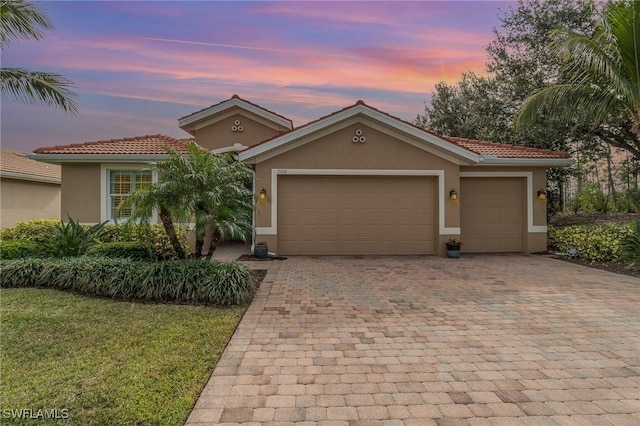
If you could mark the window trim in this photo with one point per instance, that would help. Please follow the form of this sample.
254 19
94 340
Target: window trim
105 190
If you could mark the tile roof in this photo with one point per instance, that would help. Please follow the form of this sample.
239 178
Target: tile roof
503 150
156 144
148 144
18 163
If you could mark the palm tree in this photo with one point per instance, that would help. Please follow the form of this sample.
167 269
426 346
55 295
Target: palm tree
210 189
603 86
22 20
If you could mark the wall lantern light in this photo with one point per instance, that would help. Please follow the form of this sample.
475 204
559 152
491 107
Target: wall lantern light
453 195
263 195
542 195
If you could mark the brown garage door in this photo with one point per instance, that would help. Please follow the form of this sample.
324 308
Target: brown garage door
356 215
492 214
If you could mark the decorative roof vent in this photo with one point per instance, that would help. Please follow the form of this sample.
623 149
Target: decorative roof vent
237 126
358 137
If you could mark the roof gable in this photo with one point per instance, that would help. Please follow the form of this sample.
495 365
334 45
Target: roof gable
360 109
189 122
464 151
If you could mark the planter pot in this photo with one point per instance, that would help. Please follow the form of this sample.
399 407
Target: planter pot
453 254
453 251
261 251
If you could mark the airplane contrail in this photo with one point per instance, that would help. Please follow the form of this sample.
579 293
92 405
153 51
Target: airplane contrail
233 46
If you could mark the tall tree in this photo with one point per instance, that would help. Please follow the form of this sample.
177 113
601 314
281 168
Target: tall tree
603 86
210 189
517 64
23 20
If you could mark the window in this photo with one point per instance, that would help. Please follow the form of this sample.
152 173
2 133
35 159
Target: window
122 183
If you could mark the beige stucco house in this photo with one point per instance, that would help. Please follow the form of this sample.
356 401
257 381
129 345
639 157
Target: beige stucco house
29 189
358 181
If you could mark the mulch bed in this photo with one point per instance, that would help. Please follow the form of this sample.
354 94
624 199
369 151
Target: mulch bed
616 267
252 258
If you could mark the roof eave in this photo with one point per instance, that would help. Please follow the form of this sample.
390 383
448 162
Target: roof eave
97 158
26 176
540 162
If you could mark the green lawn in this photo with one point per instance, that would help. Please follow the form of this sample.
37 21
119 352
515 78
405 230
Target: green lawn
106 362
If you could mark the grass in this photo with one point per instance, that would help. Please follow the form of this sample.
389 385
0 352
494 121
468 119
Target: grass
106 362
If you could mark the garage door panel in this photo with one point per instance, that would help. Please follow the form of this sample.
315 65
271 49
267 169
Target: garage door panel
356 215
492 214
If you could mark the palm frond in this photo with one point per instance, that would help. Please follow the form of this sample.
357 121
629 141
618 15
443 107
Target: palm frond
37 88
560 101
21 20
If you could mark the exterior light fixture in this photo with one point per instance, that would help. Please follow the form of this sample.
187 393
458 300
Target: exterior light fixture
542 195
453 195
263 195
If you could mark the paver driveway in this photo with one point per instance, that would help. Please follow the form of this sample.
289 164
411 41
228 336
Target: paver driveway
425 340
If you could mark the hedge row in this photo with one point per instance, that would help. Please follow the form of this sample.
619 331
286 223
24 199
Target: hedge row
122 250
200 281
153 236
19 249
594 242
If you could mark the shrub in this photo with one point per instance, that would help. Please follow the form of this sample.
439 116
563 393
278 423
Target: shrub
37 231
591 199
199 281
630 246
153 236
73 239
596 242
19 249
123 250
22 272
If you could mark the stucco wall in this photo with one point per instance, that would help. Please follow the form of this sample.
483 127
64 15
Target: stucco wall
81 192
22 200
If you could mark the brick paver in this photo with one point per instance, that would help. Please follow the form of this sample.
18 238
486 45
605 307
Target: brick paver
480 340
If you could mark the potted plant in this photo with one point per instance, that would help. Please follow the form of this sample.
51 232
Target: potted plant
261 250
453 248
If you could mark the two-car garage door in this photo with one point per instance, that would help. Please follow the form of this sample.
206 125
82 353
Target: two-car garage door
357 215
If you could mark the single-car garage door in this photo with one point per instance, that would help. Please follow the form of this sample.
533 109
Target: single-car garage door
492 214
356 215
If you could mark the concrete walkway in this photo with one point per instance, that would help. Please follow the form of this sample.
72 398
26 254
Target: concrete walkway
481 340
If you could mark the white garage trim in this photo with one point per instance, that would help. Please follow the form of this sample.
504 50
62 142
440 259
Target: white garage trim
529 177
273 229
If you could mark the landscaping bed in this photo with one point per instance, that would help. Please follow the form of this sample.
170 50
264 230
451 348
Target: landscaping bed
601 232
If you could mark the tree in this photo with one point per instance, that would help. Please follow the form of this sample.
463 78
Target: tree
603 88
483 107
23 20
210 189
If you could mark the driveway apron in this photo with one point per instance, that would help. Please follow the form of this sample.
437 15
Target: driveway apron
486 339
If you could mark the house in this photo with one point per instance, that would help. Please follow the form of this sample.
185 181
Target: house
29 189
357 181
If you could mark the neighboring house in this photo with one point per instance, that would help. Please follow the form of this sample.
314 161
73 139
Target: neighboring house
358 181
29 189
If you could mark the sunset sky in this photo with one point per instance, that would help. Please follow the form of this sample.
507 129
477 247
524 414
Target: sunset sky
139 66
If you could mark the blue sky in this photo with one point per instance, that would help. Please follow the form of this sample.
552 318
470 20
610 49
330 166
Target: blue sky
139 66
